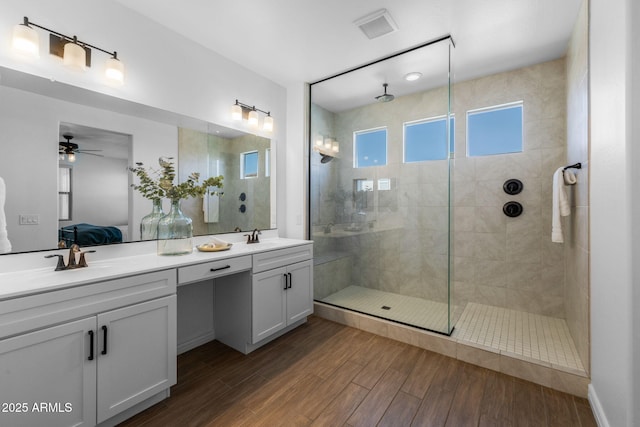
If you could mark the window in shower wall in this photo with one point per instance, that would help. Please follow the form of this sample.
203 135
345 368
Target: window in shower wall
249 165
370 148
495 130
427 139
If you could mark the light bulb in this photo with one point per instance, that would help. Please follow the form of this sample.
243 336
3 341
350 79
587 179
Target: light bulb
328 143
114 70
236 112
267 125
75 56
71 157
25 40
335 147
319 141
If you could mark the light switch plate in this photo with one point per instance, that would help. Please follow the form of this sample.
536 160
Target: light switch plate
32 219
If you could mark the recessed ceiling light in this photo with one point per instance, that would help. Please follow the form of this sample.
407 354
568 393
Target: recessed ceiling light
412 76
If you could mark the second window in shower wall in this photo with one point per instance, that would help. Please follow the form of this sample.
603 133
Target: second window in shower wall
427 139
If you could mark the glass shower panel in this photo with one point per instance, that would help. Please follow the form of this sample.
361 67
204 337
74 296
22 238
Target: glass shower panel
381 224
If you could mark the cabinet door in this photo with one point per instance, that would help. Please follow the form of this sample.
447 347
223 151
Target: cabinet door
47 379
136 351
300 292
269 303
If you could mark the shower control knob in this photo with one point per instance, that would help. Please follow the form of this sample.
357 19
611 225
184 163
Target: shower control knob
512 209
513 186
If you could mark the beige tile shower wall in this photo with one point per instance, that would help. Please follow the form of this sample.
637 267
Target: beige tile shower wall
576 247
502 261
204 153
404 246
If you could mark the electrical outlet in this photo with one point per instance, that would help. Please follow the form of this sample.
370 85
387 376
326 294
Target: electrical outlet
32 219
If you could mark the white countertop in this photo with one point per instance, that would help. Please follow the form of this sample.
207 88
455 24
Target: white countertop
25 282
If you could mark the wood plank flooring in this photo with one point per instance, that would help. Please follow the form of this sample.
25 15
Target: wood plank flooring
326 374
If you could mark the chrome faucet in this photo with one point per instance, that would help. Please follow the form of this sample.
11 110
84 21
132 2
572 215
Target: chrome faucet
253 237
71 263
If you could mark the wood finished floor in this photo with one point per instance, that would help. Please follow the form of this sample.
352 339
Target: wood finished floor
326 374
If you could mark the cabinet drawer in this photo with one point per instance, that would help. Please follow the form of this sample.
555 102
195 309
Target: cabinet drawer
278 258
37 311
213 269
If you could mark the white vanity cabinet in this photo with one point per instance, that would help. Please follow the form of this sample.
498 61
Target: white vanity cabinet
114 347
48 367
281 296
136 354
275 299
282 290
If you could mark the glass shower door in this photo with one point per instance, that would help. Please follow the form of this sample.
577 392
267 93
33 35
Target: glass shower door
380 190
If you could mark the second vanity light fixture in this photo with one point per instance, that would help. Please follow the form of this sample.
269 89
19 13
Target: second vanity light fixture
75 54
250 112
327 147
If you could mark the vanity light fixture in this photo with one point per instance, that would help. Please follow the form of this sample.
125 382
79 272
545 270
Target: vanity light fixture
25 40
250 112
327 147
74 53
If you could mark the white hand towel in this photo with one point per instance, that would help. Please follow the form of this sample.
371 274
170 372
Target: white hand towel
5 244
560 206
569 177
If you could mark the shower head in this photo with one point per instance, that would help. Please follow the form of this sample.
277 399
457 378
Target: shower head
385 97
325 158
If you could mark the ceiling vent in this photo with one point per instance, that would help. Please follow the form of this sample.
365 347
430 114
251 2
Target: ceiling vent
377 24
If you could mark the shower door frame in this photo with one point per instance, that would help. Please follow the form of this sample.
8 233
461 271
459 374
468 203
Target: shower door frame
450 159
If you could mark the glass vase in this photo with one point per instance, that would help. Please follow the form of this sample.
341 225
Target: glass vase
149 223
175 232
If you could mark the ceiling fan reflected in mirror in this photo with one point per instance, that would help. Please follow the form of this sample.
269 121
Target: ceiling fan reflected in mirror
67 150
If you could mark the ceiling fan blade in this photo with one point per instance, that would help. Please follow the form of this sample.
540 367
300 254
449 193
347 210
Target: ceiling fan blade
91 154
84 151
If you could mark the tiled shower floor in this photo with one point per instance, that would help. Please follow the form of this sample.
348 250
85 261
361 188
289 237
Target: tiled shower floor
404 309
530 336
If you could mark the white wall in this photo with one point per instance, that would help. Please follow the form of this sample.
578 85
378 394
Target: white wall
100 187
634 17
613 391
295 166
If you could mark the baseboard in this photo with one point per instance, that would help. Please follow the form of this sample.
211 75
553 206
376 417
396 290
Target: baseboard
196 342
596 407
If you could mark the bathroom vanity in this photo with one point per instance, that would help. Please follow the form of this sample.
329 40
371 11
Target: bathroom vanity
93 346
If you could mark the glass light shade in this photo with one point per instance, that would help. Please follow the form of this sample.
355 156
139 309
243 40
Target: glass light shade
26 41
253 118
71 157
236 112
114 70
74 56
335 147
319 141
267 125
328 143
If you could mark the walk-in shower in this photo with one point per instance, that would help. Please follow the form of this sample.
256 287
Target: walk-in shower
380 188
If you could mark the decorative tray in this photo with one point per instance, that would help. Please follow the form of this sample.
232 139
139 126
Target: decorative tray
207 247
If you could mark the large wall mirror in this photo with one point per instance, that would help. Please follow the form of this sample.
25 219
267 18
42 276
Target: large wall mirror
48 192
